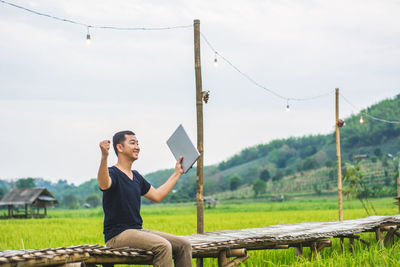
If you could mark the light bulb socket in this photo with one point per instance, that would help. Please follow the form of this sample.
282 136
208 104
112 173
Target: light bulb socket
215 59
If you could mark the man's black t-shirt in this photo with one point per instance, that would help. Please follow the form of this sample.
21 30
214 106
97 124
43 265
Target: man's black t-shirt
121 202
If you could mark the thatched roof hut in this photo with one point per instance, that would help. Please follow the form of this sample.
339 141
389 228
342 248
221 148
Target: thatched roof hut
28 198
210 202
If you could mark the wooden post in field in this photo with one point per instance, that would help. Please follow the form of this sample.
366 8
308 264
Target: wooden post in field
338 157
199 109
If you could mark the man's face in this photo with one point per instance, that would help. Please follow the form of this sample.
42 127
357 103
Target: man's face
130 147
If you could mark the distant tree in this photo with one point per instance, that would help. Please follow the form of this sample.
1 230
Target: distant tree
278 175
174 198
93 200
288 171
385 162
320 158
281 162
188 187
211 186
222 166
327 185
332 174
224 183
378 152
25 183
234 181
362 150
356 187
309 164
388 180
317 189
264 175
2 192
329 163
308 151
259 187
299 165
69 201
344 169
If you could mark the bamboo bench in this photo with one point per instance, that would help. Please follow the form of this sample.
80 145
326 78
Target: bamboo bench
220 244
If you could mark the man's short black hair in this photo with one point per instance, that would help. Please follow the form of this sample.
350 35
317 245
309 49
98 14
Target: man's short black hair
119 138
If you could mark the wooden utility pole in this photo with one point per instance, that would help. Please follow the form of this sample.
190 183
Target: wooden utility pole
199 109
338 157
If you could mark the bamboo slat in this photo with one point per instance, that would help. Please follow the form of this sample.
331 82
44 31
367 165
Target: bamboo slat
210 244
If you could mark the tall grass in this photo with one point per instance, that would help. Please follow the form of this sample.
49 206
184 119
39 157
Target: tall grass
67 228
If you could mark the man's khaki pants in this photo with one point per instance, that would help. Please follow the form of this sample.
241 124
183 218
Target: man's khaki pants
164 246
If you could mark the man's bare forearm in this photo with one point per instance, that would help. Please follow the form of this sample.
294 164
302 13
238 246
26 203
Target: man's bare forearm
167 187
103 178
160 193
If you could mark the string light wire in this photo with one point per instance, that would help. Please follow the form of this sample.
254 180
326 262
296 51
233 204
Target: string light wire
88 26
96 26
258 84
365 113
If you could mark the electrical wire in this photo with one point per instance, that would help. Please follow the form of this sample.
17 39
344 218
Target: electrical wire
258 84
97 26
88 26
365 113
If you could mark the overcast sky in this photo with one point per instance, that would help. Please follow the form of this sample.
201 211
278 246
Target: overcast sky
60 97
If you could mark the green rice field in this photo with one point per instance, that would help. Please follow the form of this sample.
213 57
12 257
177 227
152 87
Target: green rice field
76 227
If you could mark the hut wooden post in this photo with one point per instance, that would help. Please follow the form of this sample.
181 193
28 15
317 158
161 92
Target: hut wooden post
338 157
31 210
199 109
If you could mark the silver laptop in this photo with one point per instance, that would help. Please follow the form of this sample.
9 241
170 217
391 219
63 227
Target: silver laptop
180 145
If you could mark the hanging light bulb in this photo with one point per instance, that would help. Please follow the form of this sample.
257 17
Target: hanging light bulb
287 106
215 60
361 120
88 40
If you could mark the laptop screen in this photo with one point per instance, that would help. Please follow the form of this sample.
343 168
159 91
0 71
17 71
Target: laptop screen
180 145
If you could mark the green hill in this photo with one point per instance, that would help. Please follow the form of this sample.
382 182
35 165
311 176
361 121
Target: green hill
296 166
302 165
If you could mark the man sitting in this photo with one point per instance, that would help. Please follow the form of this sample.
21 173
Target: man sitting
122 190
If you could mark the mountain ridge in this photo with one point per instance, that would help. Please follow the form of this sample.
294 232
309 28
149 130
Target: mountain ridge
281 159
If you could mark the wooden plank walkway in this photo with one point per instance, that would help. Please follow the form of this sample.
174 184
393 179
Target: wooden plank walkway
219 244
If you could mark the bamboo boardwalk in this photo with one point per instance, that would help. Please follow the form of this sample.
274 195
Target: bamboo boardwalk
219 244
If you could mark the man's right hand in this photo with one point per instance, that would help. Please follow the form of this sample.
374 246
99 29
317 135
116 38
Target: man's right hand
105 147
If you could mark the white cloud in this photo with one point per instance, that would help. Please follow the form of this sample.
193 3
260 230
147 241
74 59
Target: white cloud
59 97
